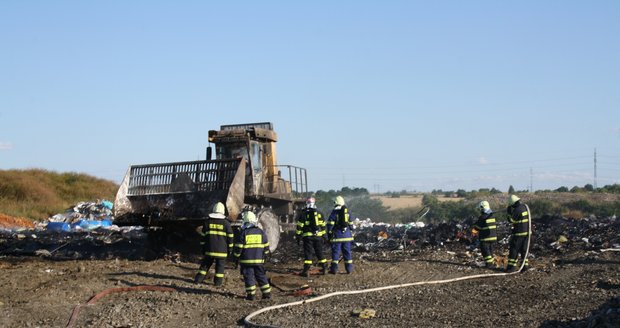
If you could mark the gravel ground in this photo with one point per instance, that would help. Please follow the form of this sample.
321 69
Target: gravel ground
571 288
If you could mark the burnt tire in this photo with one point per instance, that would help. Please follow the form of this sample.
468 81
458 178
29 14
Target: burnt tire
269 222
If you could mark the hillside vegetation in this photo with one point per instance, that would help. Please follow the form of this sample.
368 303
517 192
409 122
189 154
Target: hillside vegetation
37 194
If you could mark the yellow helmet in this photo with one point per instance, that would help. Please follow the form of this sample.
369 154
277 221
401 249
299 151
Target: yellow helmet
339 201
484 205
249 217
513 199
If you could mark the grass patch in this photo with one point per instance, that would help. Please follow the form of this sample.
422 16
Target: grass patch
37 194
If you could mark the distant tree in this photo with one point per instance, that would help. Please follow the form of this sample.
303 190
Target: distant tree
495 191
511 190
575 189
461 193
562 189
588 187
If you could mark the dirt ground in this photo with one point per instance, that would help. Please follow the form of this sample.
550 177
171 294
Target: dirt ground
564 289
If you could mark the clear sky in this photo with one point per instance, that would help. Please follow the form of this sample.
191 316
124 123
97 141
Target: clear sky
384 95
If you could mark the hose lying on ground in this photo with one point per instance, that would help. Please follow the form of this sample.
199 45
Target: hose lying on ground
94 299
248 322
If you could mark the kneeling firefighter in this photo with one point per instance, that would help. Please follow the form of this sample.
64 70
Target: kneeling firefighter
311 230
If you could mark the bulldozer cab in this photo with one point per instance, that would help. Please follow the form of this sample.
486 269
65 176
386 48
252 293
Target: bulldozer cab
255 143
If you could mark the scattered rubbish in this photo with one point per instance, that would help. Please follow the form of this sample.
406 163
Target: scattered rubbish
304 290
364 313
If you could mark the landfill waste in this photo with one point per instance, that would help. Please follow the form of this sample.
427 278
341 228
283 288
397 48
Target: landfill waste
82 216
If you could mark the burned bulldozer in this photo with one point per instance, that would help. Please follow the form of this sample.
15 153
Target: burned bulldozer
243 174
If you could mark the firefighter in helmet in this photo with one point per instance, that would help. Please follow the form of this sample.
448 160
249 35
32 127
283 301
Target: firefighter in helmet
487 233
340 235
250 249
519 216
217 238
311 231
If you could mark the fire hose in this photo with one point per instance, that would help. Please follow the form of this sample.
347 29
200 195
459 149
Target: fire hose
99 295
248 322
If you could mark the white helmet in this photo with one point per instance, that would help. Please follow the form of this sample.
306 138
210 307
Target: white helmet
513 199
339 201
249 217
218 211
310 202
484 205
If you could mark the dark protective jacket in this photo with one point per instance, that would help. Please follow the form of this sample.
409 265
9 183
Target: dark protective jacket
310 223
519 216
487 229
251 246
217 237
339 225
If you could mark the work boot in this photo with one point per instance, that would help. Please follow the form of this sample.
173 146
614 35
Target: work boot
266 296
324 269
490 266
199 278
510 269
218 282
249 297
305 273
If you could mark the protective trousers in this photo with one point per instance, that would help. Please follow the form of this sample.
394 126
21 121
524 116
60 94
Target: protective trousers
204 269
313 245
253 274
486 248
345 248
518 247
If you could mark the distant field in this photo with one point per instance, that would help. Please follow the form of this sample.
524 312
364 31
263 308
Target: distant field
408 201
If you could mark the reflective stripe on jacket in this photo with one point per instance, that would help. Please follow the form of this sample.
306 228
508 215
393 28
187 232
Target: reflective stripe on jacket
487 227
339 225
520 219
310 223
217 237
251 246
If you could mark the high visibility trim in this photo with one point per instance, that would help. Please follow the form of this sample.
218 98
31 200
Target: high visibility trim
524 213
202 272
250 288
339 240
334 261
490 239
323 261
213 254
261 261
216 233
253 246
348 261
307 261
219 275
521 234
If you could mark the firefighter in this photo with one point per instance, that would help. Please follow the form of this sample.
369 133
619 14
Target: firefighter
311 230
519 216
250 249
217 238
487 233
340 235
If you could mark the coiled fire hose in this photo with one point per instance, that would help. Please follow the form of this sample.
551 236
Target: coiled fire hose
249 323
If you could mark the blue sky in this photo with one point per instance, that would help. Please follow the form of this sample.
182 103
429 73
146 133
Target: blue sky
384 95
